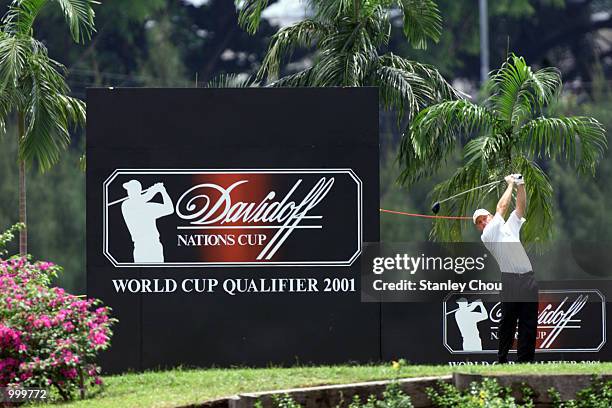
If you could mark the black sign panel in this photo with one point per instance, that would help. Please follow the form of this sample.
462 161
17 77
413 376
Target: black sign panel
463 329
224 226
569 320
206 218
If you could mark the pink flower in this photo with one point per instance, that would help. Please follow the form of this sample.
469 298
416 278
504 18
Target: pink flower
45 342
70 373
68 326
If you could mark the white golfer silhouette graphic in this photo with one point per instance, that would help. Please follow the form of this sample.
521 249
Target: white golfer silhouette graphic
141 219
467 319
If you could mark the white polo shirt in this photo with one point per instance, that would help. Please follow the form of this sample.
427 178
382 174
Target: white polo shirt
502 239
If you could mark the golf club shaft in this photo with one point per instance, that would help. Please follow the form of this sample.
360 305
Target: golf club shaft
126 197
471 189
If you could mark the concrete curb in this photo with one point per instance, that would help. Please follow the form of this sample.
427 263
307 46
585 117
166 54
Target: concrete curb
567 385
332 396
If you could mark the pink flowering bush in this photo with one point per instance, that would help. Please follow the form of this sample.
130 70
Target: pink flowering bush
48 337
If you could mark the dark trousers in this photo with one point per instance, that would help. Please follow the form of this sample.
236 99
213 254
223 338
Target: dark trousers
519 305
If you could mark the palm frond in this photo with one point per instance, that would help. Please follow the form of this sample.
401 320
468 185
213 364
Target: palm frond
539 213
485 150
439 89
79 15
49 113
282 44
442 89
74 110
329 10
467 177
434 133
6 105
350 52
299 79
20 16
546 83
580 140
14 51
422 21
249 16
400 89
232 81
518 92
512 99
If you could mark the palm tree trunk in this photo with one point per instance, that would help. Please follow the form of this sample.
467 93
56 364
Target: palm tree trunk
23 234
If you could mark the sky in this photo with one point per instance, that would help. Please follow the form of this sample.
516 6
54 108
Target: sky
283 12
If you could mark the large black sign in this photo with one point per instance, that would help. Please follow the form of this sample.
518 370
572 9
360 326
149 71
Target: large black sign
228 226
224 226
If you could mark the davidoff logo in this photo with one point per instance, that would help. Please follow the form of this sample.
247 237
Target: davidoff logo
568 321
198 206
554 318
233 217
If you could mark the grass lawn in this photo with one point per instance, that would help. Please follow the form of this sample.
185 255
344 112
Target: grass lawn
182 387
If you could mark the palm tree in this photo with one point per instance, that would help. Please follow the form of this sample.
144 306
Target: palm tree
347 36
32 85
508 133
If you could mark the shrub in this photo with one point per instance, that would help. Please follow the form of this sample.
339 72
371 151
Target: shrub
393 397
598 395
487 393
48 337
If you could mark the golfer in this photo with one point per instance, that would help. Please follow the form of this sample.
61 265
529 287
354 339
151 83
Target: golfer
141 216
519 294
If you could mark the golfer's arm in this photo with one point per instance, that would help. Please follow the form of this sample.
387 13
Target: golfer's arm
149 194
504 201
167 202
483 312
521 200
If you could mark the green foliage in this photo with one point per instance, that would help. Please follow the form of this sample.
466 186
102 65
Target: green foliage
487 393
597 395
7 236
32 83
284 401
581 203
56 222
79 15
506 134
232 81
393 397
250 13
348 37
164 65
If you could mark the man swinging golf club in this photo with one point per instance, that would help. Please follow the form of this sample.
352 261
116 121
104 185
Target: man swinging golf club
519 294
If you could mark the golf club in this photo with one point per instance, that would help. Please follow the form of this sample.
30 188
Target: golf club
126 197
435 208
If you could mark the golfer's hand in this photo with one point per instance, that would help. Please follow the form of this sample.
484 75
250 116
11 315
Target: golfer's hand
518 179
159 186
509 179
